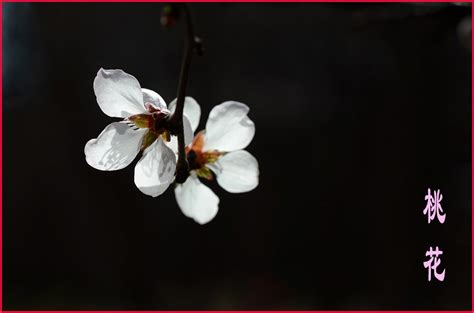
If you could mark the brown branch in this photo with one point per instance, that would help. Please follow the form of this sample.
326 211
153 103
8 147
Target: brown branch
192 43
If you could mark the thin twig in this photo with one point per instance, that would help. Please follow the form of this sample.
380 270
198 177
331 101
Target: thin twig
182 166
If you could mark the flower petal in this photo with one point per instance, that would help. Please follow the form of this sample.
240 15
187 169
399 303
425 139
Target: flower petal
153 98
188 136
191 109
188 131
196 200
236 171
118 93
115 147
228 127
155 170
173 144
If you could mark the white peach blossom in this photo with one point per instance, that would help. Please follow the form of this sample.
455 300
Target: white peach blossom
142 128
218 150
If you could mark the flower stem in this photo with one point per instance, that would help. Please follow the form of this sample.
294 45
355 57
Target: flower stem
182 166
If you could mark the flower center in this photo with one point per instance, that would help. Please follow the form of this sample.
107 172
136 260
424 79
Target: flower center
156 122
155 119
197 158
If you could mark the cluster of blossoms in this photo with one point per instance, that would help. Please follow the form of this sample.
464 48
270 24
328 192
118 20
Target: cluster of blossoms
215 151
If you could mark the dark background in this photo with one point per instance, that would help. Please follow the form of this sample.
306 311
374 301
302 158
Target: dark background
359 109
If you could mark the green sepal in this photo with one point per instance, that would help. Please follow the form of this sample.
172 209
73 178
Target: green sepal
142 120
212 156
166 136
204 172
148 139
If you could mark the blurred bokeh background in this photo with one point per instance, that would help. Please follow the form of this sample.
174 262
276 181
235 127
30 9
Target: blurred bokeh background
359 109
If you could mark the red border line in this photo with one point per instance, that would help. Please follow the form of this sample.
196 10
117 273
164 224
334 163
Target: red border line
241 1
1 157
244 311
472 169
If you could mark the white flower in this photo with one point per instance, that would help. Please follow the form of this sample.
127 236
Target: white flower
218 148
143 128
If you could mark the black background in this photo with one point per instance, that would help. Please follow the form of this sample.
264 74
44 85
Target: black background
359 109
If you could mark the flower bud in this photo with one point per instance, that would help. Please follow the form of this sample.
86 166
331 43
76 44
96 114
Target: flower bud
169 15
199 46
